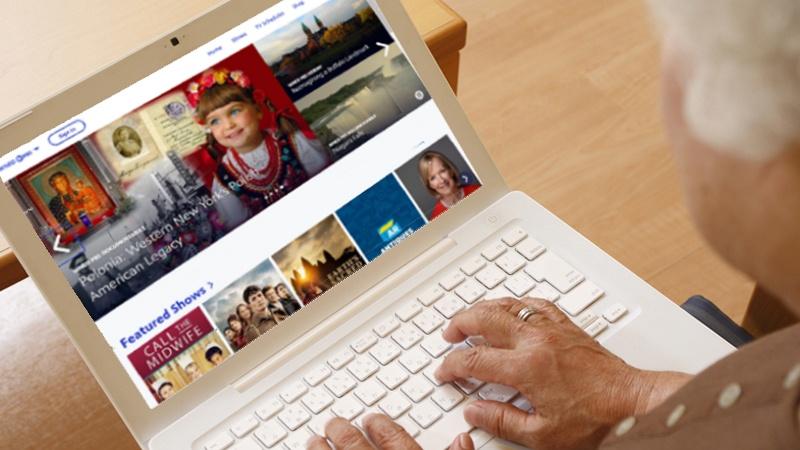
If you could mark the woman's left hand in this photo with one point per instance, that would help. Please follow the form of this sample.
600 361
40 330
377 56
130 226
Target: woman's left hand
382 434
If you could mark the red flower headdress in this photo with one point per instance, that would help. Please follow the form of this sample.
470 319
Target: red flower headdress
218 77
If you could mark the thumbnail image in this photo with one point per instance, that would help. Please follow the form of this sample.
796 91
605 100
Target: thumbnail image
321 45
364 101
438 178
381 217
67 195
319 259
252 305
179 355
141 196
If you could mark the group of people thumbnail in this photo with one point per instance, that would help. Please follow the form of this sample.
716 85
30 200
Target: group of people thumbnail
263 309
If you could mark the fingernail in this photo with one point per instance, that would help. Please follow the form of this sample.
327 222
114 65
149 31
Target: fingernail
472 411
369 418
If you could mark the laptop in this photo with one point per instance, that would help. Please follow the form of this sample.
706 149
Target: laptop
265 219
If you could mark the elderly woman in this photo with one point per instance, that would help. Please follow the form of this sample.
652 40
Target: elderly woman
732 110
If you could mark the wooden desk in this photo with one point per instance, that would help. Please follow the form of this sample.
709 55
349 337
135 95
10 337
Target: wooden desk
49 399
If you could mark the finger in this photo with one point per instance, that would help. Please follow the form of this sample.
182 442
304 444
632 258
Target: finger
388 435
489 364
545 308
318 443
492 320
345 436
463 442
501 420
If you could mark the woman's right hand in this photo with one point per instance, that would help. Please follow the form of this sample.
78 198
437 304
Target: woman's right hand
579 390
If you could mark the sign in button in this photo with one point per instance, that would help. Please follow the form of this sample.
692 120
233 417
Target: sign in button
66 132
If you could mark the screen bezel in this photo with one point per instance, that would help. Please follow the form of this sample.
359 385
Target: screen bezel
143 421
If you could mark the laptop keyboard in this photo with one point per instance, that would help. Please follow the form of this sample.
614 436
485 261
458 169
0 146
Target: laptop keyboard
389 369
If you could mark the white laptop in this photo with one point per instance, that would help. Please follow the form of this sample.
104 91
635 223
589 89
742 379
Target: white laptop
266 218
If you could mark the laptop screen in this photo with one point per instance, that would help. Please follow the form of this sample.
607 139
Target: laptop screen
200 207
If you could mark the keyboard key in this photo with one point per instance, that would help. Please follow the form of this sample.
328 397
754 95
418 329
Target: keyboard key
243 426
417 388
294 416
414 360
469 385
494 250
451 280
408 311
497 393
347 408
370 392
270 433
514 236
394 405
340 383
392 376
429 321
522 403
247 444
472 265
545 292
450 306
586 319
580 298
317 400
447 397
435 345
431 370
556 271
425 414
596 328
520 284
298 440
615 312
269 408
430 295
385 352
511 262
317 424
491 277
341 358
407 336
470 291
363 367
317 375
530 248
364 342
411 428
386 327
294 391
219 442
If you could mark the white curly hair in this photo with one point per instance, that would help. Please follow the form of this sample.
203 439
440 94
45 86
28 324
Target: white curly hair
743 94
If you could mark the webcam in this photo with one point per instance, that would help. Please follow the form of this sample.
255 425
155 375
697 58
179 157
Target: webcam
174 41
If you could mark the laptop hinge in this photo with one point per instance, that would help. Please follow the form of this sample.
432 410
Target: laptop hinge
317 333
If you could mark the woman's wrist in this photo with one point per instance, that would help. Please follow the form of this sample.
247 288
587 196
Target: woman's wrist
653 388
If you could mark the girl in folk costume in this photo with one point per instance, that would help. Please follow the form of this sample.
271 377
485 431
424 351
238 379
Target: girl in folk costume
255 166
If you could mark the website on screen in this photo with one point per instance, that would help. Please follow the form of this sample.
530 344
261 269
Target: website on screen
199 208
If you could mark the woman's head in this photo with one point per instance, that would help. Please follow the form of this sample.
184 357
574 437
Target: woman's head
127 141
732 110
438 174
235 323
244 312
